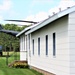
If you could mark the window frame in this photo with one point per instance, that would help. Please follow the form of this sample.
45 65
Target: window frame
46 38
54 44
39 46
33 46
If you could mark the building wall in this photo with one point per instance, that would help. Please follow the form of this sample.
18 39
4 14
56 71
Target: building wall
58 64
71 29
29 46
23 53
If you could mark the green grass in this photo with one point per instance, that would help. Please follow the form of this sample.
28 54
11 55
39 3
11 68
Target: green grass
12 56
5 70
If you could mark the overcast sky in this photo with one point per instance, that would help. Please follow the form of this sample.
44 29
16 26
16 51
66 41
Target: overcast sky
33 10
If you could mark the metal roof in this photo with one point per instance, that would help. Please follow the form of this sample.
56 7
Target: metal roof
13 33
56 16
26 29
51 19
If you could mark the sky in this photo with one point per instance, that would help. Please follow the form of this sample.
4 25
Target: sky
31 10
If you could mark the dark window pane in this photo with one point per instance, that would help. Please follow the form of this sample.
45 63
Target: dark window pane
54 41
33 45
46 44
38 46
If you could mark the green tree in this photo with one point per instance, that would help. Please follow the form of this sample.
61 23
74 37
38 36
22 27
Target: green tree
7 40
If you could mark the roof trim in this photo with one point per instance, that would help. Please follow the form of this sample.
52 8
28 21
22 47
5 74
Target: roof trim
11 32
51 19
26 29
20 33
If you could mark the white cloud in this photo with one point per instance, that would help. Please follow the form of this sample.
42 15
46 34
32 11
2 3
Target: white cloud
1 18
43 15
6 5
63 5
66 3
30 18
6 8
38 17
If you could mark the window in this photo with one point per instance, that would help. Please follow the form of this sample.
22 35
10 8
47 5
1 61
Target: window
29 41
29 45
46 44
33 45
21 43
24 43
38 46
54 45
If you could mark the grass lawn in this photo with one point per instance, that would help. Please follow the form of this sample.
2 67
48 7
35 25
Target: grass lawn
5 70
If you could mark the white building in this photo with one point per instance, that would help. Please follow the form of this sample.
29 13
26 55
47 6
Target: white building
50 45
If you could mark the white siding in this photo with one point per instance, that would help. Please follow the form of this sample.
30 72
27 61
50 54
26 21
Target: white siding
71 29
59 64
29 50
23 48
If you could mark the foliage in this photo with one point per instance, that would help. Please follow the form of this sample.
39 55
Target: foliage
14 27
9 41
20 65
5 70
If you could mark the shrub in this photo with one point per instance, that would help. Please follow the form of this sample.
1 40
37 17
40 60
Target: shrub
20 65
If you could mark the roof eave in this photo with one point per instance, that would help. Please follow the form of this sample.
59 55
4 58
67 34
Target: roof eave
20 33
25 30
51 19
